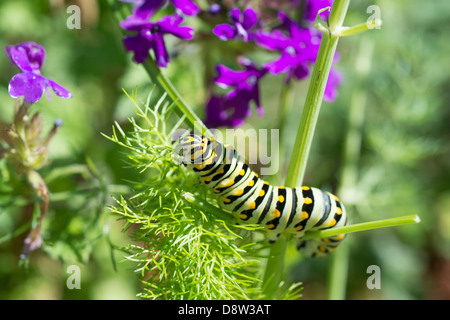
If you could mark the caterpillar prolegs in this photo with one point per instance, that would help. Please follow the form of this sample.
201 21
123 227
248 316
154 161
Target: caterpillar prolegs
251 199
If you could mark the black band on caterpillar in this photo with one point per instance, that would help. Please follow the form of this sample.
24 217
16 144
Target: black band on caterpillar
251 199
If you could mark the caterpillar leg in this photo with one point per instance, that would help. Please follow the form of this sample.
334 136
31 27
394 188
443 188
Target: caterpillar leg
319 247
332 215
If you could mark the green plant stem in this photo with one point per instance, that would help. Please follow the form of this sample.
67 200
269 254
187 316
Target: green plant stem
183 109
275 264
338 272
384 223
314 97
362 27
337 276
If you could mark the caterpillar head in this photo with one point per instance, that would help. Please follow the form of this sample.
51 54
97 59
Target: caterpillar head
195 150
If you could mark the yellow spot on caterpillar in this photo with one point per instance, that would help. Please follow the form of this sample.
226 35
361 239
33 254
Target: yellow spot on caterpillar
230 183
276 213
281 187
220 171
298 228
199 167
242 172
326 240
243 216
341 236
322 248
252 205
256 175
262 193
305 188
207 179
280 199
209 161
333 222
191 139
226 200
338 211
266 182
305 215
251 183
240 192
270 226
307 200
216 191
335 198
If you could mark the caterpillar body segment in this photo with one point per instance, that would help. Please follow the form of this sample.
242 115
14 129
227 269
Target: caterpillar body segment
250 199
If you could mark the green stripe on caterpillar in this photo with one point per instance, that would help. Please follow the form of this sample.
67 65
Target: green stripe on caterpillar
250 199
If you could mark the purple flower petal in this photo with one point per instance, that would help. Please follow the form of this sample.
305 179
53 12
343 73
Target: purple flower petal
161 54
301 71
59 90
27 84
146 8
282 64
139 45
187 7
171 25
135 23
224 32
28 56
235 15
240 25
227 77
272 41
229 111
249 18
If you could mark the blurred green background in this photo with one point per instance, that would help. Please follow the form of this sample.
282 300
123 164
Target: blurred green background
396 80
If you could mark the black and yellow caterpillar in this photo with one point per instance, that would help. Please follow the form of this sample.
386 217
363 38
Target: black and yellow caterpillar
251 199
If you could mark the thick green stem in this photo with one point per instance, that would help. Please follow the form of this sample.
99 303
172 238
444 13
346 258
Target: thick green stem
364 226
314 97
275 264
349 174
338 272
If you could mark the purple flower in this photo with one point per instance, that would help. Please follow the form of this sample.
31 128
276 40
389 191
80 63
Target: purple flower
299 48
146 8
244 81
231 110
29 57
240 27
149 36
